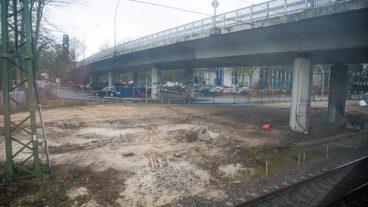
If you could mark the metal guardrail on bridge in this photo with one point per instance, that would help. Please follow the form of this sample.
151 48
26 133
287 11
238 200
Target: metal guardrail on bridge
202 27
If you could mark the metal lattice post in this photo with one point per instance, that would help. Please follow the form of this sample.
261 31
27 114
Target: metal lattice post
5 88
17 57
31 87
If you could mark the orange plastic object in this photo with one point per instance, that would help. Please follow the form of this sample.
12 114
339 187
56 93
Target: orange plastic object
266 126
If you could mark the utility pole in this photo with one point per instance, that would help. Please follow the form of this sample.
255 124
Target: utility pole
16 27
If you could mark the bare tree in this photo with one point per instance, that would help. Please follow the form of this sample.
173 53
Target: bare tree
241 72
105 45
250 71
47 48
201 76
125 40
76 49
41 26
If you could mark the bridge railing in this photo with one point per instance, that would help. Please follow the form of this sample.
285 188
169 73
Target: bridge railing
195 29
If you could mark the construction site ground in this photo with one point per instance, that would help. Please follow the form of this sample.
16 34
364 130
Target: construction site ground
154 155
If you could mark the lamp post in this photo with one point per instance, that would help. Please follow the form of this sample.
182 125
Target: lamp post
84 40
116 12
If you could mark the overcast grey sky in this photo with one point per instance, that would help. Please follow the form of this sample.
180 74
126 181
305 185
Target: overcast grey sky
134 19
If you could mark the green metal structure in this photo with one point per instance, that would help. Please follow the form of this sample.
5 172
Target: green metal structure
17 73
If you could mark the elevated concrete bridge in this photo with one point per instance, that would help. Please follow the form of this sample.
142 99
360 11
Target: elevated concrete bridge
279 32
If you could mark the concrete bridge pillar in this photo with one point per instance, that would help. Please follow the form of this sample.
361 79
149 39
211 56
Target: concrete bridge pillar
301 95
189 81
338 93
135 83
109 79
290 80
156 83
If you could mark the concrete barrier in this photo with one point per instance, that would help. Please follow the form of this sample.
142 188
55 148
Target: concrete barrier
176 100
132 99
111 99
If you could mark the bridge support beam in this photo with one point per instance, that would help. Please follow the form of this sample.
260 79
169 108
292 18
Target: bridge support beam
109 79
301 95
189 81
338 93
156 83
135 83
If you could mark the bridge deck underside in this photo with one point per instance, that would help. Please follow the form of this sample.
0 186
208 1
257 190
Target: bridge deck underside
340 37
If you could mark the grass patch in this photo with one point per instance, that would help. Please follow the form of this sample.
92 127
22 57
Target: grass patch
104 187
54 103
279 159
49 191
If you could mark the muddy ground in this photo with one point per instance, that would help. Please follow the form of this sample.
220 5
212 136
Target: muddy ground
152 155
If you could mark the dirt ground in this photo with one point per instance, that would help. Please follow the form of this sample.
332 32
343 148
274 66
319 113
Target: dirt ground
152 155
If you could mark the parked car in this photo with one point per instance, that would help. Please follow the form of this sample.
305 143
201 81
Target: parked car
205 90
217 89
243 90
364 96
230 90
85 86
108 91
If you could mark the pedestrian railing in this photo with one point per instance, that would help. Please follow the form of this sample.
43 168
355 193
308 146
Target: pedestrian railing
16 97
202 27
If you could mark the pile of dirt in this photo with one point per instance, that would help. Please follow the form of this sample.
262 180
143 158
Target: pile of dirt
153 186
234 170
200 133
67 124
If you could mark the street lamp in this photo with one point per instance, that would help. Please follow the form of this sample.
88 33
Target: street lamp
116 12
214 4
84 40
